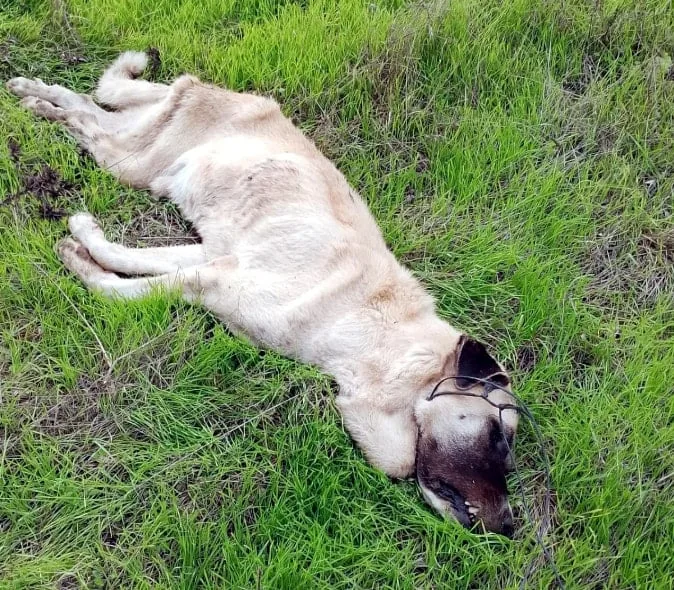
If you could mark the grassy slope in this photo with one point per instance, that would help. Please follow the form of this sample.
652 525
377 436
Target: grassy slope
519 159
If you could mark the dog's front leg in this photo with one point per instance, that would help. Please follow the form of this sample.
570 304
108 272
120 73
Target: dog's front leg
132 261
198 282
387 438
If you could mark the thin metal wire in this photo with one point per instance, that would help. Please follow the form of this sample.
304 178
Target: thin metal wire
521 408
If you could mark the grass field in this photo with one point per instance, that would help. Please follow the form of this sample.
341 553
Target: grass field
519 157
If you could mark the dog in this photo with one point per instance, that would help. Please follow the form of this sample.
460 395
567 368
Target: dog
291 257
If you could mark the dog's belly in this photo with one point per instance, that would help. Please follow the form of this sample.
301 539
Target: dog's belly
297 263
271 209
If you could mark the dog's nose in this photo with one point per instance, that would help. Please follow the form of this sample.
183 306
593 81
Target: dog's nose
508 527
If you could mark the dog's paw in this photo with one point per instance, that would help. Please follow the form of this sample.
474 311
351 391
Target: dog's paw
82 225
77 260
74 255
43 108
20 86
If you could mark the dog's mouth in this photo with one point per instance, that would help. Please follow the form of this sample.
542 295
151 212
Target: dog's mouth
461 509
447 499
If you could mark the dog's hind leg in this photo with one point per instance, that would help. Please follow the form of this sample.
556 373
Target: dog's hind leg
119 142
132 261
77 259
58 96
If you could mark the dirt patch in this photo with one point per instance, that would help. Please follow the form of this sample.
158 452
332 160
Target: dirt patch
591 70
151 570
660 244
582 359
14 151
669 75
47 186
69 415
198 491
67 582
161 225
598 577
249 517
334 136
41 183
154 64
110 536
73 413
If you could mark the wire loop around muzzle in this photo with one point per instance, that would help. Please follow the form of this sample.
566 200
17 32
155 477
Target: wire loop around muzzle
521 408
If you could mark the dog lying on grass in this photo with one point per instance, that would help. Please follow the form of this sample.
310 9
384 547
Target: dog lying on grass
292 258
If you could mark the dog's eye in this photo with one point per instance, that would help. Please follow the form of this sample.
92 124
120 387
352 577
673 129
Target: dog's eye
499 440
500 379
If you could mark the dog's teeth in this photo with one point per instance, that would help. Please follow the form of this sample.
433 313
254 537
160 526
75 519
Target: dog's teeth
473 510
467 503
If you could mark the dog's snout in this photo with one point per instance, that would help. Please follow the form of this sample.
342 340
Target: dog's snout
503 522
488 518
508 527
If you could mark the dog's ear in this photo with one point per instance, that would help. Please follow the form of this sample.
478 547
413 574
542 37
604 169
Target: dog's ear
475 361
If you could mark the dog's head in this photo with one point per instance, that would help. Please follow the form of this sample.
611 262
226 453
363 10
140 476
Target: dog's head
463 447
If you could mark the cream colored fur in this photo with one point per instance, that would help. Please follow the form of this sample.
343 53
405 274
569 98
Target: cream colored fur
290 254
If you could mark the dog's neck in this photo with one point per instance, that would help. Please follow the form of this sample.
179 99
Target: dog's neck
395 348
381 385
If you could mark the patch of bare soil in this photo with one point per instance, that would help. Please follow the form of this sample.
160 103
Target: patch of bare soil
110 536
154 64
670 73
577 84
160 225
67 582
41 184
74 414
598 579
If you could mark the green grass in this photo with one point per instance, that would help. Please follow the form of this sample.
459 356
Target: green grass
519 157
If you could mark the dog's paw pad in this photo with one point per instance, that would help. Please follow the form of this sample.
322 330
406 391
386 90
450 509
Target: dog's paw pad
70 250
42 108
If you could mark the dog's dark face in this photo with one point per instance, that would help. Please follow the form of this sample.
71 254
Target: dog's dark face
463 448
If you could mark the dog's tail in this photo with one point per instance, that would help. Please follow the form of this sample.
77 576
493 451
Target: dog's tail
118 87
